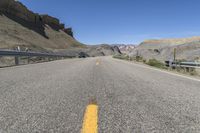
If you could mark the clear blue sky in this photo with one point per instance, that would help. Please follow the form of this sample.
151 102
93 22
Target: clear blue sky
123 21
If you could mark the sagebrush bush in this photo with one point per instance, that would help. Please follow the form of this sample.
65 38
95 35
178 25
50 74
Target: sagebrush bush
156 63
122 56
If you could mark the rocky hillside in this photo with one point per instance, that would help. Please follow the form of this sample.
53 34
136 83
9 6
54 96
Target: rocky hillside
187 49
167 42
21 27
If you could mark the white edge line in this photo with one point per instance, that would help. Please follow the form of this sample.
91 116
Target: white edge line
170 73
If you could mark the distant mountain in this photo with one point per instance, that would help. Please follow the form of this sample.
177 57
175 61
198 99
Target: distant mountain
125 48
187 48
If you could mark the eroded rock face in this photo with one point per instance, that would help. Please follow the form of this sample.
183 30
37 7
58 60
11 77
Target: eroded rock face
52 22
69 31
19 11
22 27
16 9
116 50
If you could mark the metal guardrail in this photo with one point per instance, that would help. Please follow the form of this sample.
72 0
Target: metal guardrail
30 54
183 64
17 54
195 64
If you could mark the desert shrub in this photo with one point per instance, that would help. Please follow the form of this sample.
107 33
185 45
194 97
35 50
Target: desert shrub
121 56
191 71
139 58
144 60
156 63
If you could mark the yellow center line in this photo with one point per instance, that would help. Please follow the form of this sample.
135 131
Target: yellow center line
97 62
90 119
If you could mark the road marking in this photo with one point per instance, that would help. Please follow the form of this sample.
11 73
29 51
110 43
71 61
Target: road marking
163 71
90 119
97 62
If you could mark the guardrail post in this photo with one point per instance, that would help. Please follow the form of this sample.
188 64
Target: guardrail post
16 60
187 69
28 60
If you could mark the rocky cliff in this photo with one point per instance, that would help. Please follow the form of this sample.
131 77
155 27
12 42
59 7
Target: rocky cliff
21 27
17 11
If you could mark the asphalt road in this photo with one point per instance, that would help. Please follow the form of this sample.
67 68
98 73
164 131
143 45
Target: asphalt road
52 97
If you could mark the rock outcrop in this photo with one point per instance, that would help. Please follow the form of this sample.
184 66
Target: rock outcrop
17 11
69 31
21 27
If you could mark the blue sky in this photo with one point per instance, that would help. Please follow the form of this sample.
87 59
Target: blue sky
123 21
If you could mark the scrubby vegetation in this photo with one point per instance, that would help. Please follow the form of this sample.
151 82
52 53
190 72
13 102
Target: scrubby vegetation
139 58
126 57
123 57
156 63
189 71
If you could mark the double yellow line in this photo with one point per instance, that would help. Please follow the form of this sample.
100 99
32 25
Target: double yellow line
90 121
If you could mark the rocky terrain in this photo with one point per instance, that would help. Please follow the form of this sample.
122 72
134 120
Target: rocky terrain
92 51
126 48
163 49
21 27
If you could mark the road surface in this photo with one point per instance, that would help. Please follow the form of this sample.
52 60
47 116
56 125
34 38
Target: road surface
52 97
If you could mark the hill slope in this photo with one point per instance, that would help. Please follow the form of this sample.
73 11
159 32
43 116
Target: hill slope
21 27
167 42
187 48
13 34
